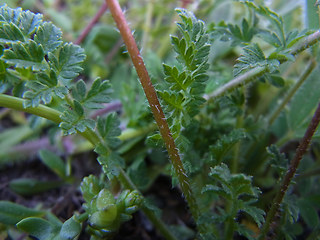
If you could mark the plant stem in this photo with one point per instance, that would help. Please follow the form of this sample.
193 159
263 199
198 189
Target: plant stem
154 104
293 90
54 115
301 150
258 71
91 24
242 79
147 25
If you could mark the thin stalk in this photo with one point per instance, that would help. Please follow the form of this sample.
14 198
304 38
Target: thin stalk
147 25
293 90
258 71
91 136
301 150
240 80
156 109
91 24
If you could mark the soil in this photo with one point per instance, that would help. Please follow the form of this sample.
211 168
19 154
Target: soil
65 200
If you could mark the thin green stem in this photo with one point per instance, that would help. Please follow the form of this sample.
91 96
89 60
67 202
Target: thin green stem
54 115
293 90
155 106
147 25
301 150
258 71
240 80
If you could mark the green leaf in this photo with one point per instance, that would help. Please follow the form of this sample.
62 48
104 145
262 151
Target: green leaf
278 160
67 62
225 143
256 213
90 187
98 94
24 55
26 21
111 162
39 228
252 57
70 229
109 130
174 102
29 186
10 33
12 213
10 15
44 89
179 81
270 37
276 20
53 162
48 36
73 120
29 22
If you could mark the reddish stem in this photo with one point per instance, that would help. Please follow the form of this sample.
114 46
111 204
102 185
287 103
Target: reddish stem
156 109
301 150
91 24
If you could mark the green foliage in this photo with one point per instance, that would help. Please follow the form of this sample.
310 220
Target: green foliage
217 123
54 162
187 79
95 97
105 212
12 213
237 189
225 143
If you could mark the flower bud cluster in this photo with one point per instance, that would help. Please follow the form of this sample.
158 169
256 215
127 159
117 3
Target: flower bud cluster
106 213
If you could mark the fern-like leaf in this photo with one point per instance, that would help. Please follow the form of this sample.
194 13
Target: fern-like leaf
48 36
233 187
187 79
73 120
67 62
25 55
43 89
98 94
253 57
17 25
109 130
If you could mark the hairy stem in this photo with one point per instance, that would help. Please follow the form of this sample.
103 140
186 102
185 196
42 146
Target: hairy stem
91 136
154 104
242 79
293 90
91 24
301 150
258 71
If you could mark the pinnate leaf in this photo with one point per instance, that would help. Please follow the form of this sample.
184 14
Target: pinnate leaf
67 62
73 120
98 94
26 21
48 36
109 130
24 55
10 33
43 89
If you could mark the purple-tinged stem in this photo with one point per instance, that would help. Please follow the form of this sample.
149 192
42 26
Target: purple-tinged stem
91 24
301 150
109 107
